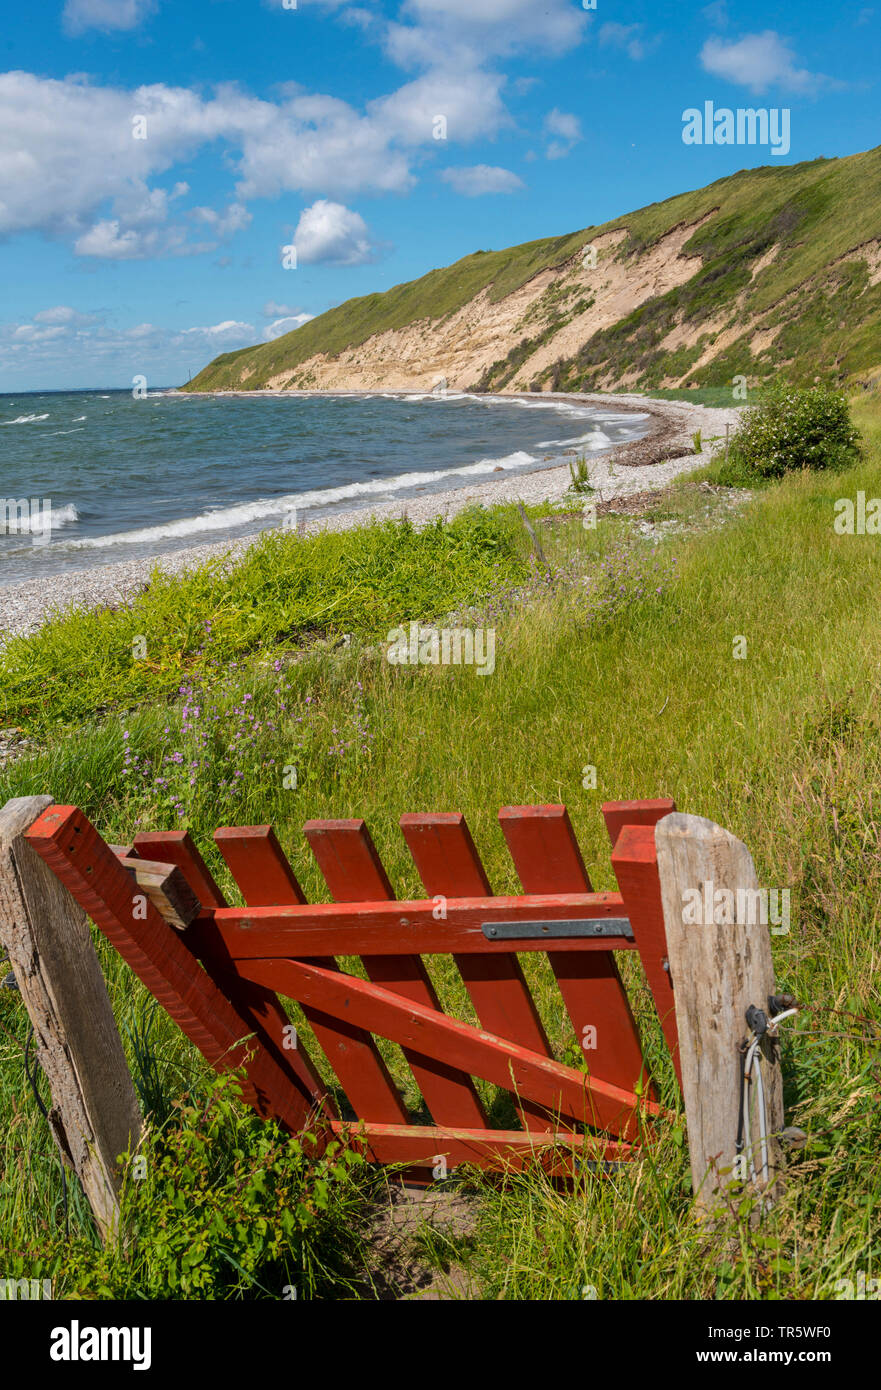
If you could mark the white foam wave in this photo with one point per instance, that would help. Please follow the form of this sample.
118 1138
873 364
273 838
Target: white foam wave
227 518
565 407
25 419
594 439
607 415
45 513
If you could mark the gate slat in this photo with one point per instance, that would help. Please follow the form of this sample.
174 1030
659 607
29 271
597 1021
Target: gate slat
617 814
448 864
353 871
486 1148
562 1089
89 869
259 866
635 862
547 859
261 1006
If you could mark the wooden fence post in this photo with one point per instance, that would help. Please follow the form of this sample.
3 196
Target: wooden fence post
94 1114
719 953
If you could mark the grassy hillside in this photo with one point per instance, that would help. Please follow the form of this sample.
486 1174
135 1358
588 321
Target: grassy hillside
771 245
433 297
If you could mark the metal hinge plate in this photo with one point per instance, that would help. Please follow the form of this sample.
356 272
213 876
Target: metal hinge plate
576 927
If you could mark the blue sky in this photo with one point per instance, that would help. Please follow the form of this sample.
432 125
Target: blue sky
156 156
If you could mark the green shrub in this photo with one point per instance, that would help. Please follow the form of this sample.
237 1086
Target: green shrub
227 1206
793 428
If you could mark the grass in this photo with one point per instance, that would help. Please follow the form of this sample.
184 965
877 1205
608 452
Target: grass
720 397
633 673
286 588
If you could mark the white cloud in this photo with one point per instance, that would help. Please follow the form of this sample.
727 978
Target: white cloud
568 130
482 178
758 61
80 15
469 100
223 224
69 164
357 18
227 333
63 314
627 37
485 27
285 325
717 13
107 240
271 310
318 144
427 29
331 234
564 124
29 333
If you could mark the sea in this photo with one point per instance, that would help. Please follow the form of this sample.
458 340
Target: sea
91 477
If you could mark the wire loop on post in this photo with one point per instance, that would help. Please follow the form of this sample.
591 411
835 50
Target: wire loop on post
751 1074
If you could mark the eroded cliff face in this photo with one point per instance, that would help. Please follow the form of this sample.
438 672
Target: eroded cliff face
617 315
508 344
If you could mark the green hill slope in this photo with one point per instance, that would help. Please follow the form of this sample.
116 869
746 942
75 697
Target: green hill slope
769 268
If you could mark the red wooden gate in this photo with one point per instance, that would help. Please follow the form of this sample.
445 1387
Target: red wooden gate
221 977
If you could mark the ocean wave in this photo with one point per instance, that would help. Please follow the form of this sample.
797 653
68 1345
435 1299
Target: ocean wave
26 419
594 439
619 417
46 511
64 515
226 518
565 407
446 395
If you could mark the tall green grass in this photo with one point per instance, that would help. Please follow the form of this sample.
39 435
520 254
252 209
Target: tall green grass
285 588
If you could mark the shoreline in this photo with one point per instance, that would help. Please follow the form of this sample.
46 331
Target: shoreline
642 465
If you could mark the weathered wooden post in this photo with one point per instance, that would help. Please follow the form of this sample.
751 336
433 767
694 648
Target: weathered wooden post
94 1114
719 956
